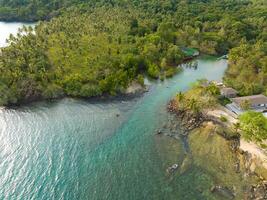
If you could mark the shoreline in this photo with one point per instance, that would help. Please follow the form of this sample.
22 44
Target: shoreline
253 158
254 149
103 98
134 90
256 152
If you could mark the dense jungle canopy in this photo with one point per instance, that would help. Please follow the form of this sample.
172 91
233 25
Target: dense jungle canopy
91 48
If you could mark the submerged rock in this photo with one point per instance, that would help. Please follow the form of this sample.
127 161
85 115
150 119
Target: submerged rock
211 140
237 167
223 192
259 191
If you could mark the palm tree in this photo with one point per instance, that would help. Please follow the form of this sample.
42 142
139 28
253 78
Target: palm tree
213 89
193 105
180 96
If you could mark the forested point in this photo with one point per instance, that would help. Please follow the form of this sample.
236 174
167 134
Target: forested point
99 47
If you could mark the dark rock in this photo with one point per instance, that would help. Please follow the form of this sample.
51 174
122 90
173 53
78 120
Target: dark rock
235 144
223 192
258 191
237 167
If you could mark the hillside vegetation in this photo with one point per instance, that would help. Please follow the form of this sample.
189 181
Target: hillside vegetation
247 71
99 47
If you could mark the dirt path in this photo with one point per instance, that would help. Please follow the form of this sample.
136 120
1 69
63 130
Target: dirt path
221 111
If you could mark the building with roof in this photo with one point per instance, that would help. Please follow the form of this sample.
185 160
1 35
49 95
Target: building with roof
228 92
257 103
254 102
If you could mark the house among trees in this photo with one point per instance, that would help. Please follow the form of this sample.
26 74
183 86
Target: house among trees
257 103
228 92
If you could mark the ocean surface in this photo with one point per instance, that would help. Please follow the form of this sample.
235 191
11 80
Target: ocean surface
102 150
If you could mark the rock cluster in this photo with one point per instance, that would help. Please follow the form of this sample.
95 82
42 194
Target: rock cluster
223 192
259 191
188 119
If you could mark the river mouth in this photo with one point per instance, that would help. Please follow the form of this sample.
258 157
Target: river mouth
75 149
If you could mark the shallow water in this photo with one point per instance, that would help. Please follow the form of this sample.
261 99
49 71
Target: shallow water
97 150
73 149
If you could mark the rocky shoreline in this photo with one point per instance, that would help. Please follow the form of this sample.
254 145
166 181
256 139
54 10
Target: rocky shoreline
187 119
190 121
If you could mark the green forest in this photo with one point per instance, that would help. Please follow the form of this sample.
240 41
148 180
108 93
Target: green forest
31 10
92 48
247 71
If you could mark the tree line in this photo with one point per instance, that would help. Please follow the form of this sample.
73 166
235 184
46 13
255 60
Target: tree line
99 47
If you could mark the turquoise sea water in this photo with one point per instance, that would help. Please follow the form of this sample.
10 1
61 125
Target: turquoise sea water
74 149
101 150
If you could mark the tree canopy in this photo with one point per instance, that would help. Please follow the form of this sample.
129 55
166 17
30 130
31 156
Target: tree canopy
253 126
96 47
247 71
